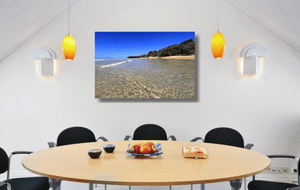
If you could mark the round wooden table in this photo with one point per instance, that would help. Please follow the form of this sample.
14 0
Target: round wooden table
72 163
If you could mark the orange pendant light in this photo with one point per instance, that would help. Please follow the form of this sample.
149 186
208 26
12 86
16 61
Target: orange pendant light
69 47
218 42
68 44
218 45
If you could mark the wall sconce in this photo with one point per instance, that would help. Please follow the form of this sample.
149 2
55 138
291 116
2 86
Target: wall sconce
251 53
45 56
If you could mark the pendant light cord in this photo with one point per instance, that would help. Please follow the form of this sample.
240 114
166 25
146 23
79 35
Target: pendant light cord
218 15
68 18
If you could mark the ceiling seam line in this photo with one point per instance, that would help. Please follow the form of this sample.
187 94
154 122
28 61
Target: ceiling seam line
298 55
10 26
256 20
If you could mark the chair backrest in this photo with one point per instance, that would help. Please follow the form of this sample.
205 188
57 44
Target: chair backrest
3 161
75 135
298 172
225 136
150 132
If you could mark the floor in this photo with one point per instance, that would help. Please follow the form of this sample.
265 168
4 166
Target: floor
82 186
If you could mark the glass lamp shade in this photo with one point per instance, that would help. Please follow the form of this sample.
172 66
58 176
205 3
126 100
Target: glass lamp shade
218 45
69 47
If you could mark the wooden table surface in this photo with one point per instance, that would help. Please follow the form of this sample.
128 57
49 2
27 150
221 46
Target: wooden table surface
73 163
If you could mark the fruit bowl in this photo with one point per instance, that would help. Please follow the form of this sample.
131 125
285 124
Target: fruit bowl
158 152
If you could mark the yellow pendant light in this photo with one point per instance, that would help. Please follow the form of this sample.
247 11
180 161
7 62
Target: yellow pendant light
68 44
218 42
69 47
218 45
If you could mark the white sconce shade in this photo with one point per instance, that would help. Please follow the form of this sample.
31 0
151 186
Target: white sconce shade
249 49
251 66
46 56
44 51
45 67
251 54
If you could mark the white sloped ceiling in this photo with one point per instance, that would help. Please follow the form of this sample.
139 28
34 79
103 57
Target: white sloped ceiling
282 17
21 19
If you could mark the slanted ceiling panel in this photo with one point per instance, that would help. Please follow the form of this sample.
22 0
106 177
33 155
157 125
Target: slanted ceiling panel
279 16
21 19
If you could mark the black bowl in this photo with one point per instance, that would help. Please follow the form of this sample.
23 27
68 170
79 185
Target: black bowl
109 148
94 153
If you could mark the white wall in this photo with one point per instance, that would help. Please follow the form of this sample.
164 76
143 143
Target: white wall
264 110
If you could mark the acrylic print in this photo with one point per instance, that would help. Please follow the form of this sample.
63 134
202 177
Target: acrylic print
145 65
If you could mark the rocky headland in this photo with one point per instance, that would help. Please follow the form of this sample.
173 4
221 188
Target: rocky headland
185 48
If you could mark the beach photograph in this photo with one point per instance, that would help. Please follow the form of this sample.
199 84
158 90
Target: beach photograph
145 65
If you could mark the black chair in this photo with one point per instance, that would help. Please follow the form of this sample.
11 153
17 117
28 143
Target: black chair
150 132
226 136
73 135
27 183
266 185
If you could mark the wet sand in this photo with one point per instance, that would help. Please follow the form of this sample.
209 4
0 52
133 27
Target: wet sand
147 79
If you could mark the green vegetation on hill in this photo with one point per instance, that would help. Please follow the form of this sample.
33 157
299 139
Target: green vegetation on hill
184 48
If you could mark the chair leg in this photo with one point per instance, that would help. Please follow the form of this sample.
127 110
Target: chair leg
8 186
54 184
245 184
91 186
202 186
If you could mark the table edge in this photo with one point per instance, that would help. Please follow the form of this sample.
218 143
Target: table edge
147 183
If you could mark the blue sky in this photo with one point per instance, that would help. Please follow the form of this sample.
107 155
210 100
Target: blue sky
123 44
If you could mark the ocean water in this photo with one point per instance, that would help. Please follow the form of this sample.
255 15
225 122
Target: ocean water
144 79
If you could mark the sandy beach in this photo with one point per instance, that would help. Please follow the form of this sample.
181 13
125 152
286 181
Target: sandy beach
180 57
172 57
